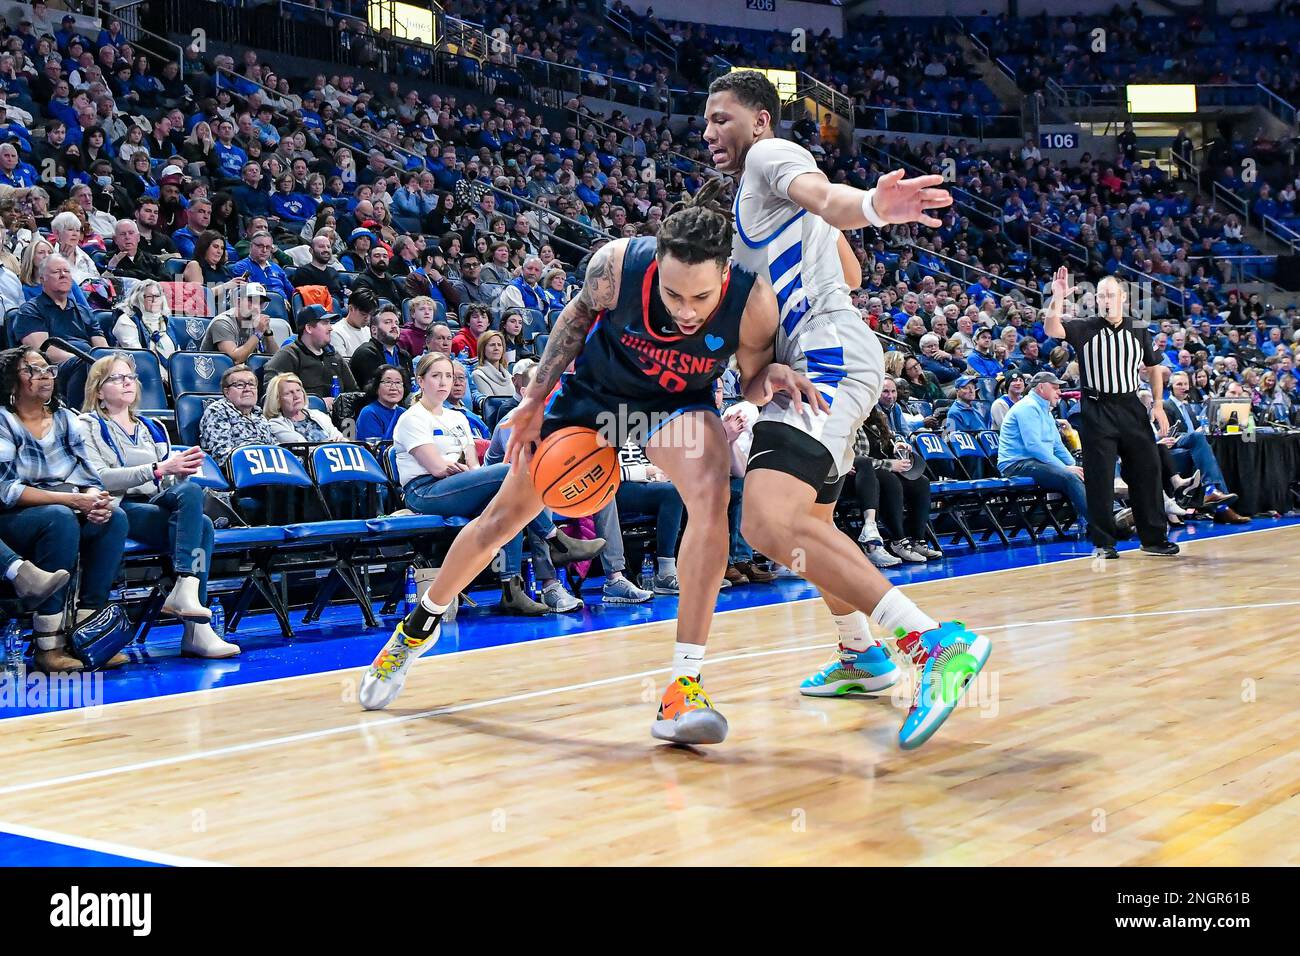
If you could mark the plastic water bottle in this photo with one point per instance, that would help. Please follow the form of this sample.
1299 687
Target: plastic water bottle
648 572
530 578
335 387
13 649
218 623
412 593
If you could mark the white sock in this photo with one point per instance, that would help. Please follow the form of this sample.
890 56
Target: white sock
854 630
896 610
668 566
426 602
687 660
11 572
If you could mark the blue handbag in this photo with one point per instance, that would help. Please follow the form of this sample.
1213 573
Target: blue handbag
100 637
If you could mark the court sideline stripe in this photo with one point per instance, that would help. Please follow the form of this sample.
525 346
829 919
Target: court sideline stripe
102 846
515 698
13 721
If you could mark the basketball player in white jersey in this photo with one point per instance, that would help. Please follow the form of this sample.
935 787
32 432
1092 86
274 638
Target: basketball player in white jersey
788 218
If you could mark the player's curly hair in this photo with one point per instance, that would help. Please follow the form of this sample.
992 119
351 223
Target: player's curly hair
697 229
10 360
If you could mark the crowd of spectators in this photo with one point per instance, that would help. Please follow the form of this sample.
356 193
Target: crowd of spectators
385 265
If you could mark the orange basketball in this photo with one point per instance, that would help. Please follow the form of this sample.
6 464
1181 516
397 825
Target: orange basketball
575 474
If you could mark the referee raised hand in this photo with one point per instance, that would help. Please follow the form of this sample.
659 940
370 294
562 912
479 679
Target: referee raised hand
1111 352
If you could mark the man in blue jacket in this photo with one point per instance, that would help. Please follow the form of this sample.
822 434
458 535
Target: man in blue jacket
964 415
1030 444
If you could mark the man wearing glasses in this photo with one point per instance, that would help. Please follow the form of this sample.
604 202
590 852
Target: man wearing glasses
55 314
236 419
259 267
244 329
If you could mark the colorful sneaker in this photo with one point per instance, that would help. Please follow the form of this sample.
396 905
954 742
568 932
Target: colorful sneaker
947 659
853 672
623 591
686 715
383 681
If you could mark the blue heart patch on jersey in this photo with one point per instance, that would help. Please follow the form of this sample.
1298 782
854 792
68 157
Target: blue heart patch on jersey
714 342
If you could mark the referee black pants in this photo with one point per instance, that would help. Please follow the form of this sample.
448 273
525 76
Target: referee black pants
1118 426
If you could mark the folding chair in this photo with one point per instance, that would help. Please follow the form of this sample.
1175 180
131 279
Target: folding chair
271 467
951 496
333 465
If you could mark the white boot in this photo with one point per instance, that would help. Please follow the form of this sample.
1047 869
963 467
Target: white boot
200 640
183 601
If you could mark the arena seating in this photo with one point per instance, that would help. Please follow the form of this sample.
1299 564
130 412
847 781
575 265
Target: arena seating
316 508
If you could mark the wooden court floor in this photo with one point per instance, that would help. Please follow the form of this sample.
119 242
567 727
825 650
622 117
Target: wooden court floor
1141 711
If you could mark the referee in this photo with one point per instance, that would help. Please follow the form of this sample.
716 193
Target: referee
1111 353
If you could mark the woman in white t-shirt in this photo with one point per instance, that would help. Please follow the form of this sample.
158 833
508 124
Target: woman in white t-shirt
440 473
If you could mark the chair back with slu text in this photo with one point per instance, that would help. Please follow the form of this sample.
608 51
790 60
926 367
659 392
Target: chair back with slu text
275 469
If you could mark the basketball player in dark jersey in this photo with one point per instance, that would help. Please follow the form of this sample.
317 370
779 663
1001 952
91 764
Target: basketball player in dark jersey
654 326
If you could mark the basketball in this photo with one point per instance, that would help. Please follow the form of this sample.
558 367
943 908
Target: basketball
574 473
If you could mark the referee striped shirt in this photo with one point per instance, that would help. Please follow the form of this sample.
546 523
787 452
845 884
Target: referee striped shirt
1110 357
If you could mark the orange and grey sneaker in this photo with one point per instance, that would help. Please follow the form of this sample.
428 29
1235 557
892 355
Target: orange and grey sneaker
686 715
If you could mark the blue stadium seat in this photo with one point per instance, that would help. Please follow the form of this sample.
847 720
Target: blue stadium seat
276 307
188 331
317 403
153 395
210 475
986 388
189 414
198 373
106 319
174 267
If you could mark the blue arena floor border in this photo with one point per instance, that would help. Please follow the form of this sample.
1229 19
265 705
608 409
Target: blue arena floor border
18 850
340 641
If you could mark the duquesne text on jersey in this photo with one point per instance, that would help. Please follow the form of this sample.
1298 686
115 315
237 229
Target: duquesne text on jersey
670 359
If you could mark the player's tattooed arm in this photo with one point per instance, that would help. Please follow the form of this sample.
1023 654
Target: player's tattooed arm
599 292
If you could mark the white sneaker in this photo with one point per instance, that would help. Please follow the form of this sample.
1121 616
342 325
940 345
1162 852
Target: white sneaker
924 550
666 584
902 548
870 534
623 591
560 601
881 558
1171 508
